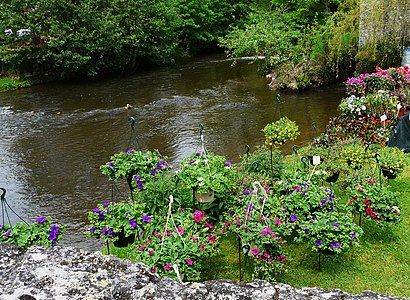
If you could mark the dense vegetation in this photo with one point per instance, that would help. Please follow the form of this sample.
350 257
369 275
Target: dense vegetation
311 41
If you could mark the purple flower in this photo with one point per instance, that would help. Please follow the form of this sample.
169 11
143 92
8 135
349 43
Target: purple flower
140 185
132 223
7 233
228 163
334 244
92 229
100 216
231 212
335 224
130 151
306 231
293 218
353 235
105 204
96 210
41 220
111 164
261 200
146 219
153 172
246 192
318 243
137 178
104 231
160 156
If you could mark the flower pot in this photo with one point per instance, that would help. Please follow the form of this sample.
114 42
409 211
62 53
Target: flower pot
124 241
327 252
333 177
314 160
205 197
389 173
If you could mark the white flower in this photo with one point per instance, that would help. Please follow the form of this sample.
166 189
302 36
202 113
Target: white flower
200 179
22 32
8 31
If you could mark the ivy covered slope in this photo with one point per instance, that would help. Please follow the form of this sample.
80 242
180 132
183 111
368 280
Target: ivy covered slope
87 37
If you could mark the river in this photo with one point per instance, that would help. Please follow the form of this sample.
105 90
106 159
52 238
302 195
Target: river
55 136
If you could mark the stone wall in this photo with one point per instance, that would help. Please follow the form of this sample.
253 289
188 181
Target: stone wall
384 18
69 274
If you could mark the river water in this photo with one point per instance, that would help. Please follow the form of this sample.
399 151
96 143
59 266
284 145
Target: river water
54 137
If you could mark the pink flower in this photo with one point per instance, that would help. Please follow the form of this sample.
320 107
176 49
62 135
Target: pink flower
273 236
260 257
209 225
268 230
265 254
366 201
167 267
198 216
189 262
228 224
140 248
255 251
264 232
211 238
151 252
277 221
202 247
181 230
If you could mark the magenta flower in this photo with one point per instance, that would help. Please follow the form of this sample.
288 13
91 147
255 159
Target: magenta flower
202 247
189 262
151 252
167 267
198 216
211 238
255 251
181 230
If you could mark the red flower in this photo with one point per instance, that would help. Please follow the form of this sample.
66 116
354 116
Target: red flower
366 201
369 210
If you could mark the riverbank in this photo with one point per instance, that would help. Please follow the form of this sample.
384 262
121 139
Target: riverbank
10 84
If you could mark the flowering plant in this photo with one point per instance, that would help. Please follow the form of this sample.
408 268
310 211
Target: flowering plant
306 199
329 233
375 201
354 154
353 105
136 166
392 159
41 232
111 220
208 171
257 220
180 242
281 131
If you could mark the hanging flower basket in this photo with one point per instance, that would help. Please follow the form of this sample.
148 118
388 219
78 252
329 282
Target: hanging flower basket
389 173
205 197
334 177
124 241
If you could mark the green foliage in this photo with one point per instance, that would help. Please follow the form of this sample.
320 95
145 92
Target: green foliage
281 131
257 164
42 232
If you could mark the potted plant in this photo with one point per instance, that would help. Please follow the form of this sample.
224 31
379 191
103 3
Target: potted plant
391 160
121 222
374 201
137 167
279 132
354 154
329 232
181 242
207 174
257 219
42 232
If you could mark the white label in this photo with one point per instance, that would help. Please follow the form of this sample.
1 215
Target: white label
383 118
316 160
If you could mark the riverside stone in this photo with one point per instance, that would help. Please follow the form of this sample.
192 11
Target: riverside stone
70 273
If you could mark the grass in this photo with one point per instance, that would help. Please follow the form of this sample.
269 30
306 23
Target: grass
8 84
380 263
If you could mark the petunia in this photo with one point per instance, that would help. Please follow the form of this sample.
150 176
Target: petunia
167 267
7 233
96 210
211 238
181 230
335 224
293 218
132 223
189 262
41 220
146 219
202 247
255 251
318 243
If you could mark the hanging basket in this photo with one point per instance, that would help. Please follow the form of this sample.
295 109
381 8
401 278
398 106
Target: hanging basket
389 173
124 241
327 252
205 197
334 177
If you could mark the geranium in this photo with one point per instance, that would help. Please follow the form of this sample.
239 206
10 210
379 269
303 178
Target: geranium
374 201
